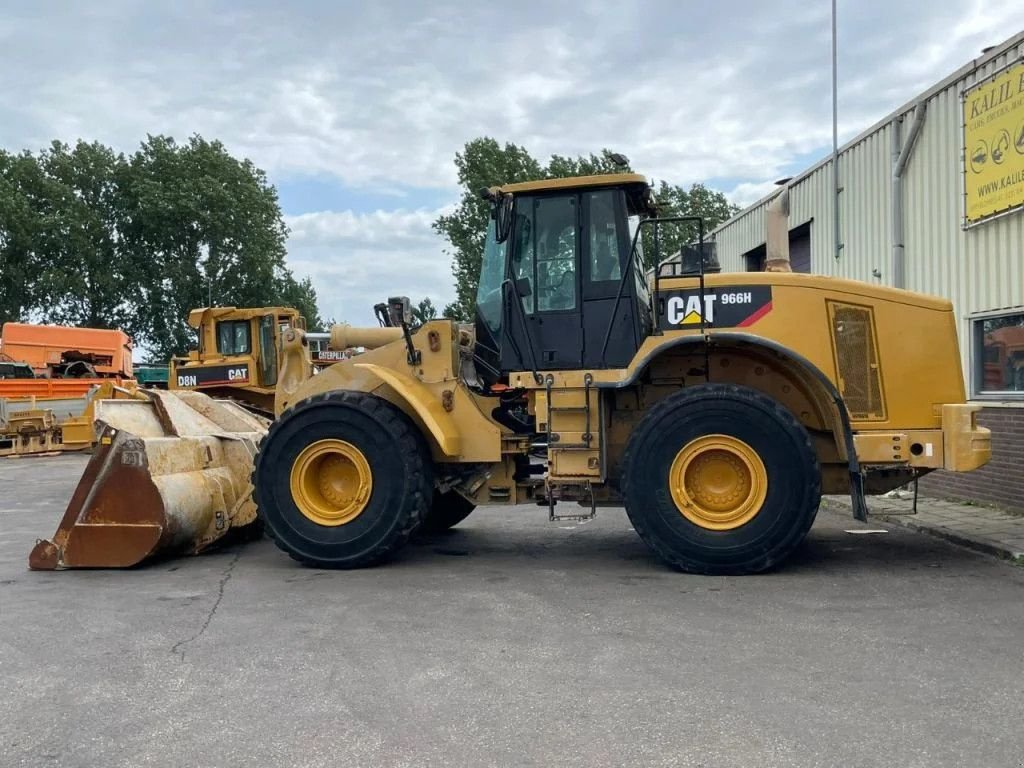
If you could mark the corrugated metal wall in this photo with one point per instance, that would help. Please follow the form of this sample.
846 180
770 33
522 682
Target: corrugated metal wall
979 269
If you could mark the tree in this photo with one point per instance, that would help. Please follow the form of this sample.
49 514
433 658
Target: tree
698 200
90 237
83 280
484 163
21 184
423 312
481 164
302 296
201 228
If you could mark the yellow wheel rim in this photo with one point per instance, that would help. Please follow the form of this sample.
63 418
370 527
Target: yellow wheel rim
718 482
331 482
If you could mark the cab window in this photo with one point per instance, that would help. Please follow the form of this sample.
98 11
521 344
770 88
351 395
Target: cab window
233 337
492 274
545 252
605 259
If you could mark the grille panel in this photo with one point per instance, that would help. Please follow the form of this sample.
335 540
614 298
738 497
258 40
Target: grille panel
855 348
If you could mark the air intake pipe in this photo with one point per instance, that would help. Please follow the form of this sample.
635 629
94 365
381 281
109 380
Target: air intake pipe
345 336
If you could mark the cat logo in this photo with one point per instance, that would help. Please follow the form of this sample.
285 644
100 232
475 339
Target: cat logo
718 307
688 311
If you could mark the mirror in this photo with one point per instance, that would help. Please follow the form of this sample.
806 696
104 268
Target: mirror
502 214
399 310
523 287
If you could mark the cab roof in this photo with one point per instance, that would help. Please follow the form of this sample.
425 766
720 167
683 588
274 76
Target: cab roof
573 182
195 317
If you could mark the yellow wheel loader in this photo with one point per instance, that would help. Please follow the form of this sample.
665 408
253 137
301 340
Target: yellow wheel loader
717 408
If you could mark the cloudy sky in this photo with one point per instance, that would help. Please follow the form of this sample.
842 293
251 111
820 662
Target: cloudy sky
356 110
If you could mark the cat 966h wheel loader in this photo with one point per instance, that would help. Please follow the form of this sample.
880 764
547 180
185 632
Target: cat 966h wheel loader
717 408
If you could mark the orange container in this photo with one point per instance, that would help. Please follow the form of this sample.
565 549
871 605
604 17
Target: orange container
42 347
53 388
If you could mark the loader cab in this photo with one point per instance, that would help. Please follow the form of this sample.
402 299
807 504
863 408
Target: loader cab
558 287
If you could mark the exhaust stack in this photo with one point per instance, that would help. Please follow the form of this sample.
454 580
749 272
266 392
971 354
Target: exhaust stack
777 235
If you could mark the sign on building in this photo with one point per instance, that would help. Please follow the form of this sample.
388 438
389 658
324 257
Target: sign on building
994 145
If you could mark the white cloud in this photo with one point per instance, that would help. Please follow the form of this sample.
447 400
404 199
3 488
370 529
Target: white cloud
380 96
357 260
383 95
747 193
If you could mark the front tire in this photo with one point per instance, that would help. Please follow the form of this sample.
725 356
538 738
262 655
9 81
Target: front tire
341 480
721 479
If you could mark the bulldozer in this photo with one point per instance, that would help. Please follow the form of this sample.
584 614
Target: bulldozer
237 354
717 408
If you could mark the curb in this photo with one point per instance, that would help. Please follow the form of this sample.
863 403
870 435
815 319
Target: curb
978 544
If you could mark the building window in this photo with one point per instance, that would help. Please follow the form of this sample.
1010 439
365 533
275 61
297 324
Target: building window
997 343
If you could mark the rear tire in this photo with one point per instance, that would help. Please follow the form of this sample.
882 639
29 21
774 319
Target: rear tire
342 527
721 479
446 511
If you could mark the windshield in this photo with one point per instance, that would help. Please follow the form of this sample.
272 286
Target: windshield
492 273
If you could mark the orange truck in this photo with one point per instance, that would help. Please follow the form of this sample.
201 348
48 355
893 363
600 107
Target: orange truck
57 351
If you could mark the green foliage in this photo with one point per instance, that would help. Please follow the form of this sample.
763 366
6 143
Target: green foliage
90 237
485 163
423 312
698 200
23 227
302 296
482 163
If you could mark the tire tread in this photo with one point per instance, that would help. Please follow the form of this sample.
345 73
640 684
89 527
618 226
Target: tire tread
412 449
653 420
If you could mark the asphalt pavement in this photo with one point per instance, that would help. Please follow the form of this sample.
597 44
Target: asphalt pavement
509 641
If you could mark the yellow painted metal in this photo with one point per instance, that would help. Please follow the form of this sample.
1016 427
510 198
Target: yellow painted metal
331 482
967 446
718 482
922 448
916 341
250 388
48 425
438 421
571 182
454 419
345 336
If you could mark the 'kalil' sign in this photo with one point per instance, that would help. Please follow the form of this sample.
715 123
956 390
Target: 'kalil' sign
994 145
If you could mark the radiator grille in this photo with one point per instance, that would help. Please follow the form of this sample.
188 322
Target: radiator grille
856 356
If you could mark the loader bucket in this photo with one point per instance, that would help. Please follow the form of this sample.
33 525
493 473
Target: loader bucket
170 475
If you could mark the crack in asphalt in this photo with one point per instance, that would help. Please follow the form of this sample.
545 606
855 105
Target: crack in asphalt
179 647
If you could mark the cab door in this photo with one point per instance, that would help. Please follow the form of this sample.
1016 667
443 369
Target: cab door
610 338
268 350
545 265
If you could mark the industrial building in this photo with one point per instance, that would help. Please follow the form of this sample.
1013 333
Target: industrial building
930 199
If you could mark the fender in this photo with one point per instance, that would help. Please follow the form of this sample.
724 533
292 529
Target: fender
860 508
412 391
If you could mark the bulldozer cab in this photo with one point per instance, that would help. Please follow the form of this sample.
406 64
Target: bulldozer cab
237 353
558 287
